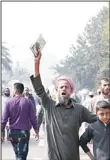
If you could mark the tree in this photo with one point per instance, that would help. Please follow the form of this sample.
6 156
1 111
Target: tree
6 59
21 74
105 33
105 65
6 66
89 55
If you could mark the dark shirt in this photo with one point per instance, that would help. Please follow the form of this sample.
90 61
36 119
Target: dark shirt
100 134
20 112
62 124
30 96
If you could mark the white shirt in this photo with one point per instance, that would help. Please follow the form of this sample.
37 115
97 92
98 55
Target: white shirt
4 101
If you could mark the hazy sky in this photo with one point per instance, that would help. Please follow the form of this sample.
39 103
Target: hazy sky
58 22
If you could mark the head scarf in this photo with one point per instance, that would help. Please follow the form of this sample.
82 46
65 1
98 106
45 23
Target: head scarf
68 79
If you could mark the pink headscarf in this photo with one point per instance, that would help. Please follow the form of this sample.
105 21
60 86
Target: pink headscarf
68 79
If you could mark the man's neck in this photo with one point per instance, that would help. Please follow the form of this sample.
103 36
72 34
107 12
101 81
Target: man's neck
6 96
107 123
18 95
104 96
66 102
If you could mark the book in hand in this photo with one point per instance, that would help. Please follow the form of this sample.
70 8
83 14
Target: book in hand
39 44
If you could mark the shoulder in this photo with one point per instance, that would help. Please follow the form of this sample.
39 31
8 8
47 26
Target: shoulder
78 106
31 96
94 124
27 100
11 100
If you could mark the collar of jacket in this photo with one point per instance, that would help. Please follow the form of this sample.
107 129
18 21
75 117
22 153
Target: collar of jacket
103 123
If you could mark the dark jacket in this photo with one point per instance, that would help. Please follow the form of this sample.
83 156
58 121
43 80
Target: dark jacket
101 140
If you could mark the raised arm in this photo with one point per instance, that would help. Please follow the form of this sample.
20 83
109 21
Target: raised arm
37 83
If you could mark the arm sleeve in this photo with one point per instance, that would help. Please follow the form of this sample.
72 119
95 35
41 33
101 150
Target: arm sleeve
87 116
85 138
40 91
5 116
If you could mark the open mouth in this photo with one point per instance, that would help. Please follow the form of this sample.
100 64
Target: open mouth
63 94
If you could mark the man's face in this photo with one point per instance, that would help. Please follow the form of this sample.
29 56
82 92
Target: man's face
26 91
63 90
104 115
7 92
105 87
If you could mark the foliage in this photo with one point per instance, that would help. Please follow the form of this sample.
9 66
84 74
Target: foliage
89 58
6 59
20 73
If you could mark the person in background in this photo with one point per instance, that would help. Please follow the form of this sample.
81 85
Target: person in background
86 103
20 112
104 86
88 99
63 117
91 94
41 115
98 91
37 100
76 97
29 96
99 133
5 98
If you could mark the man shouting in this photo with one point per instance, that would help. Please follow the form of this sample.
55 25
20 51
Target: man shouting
63 117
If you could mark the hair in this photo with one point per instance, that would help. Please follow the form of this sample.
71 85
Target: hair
102 104
19 87
103 79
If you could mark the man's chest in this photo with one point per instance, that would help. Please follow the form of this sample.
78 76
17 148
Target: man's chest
65 118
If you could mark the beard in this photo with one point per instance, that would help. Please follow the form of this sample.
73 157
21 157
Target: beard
105 92
26 93
7 94
63 100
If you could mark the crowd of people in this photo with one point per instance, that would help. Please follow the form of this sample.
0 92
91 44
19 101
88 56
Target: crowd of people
62 117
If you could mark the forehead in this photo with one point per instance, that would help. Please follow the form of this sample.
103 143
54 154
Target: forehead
7 90
103 82
63 83
103 110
